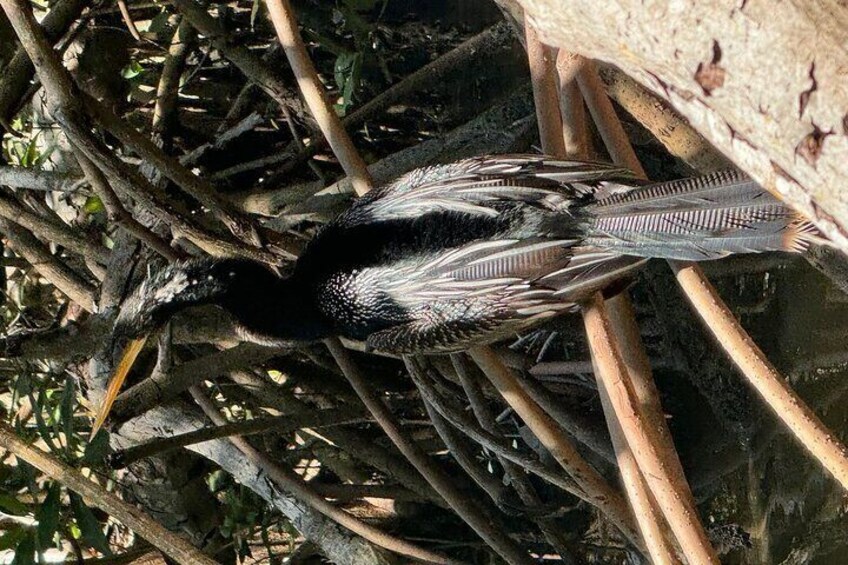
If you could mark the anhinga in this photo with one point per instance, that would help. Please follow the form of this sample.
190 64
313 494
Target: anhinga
466 253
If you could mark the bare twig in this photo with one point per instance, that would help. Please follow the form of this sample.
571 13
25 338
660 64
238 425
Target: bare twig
301 490
30 179
165 386
812 434
313 92
491 441
279 424
182 43
675 133
575 133
248 63
676 503
116 213
517 477
545 93
597 490
50 230
18 73
434 475
49 266
128 21
169 543
615 139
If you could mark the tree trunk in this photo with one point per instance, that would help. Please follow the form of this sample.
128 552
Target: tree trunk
763 81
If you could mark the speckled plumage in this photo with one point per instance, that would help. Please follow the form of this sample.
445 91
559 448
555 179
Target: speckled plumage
452 255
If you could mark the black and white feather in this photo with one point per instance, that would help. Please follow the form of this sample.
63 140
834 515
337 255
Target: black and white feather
466 253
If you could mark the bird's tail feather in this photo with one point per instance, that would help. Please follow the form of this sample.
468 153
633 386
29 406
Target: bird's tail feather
697 219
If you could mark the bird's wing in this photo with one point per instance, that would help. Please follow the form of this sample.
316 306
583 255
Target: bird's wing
474 186
492 288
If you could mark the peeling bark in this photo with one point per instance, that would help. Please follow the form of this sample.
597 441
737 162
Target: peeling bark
763 81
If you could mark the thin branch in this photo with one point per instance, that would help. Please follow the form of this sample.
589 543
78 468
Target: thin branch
51 230
312 89
18 73
575 133
650 522
116 213
49 266
615 139
238 224
517 476
679 138
434 475
128 21
30 179
296 486
167 385
491 441
278 424
560 446
612 374
545 93
249 64
678 506
789 408
167 90
169 543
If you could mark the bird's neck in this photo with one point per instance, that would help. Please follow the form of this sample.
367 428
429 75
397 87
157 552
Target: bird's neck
273 310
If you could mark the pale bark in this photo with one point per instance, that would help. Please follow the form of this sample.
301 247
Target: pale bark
763 81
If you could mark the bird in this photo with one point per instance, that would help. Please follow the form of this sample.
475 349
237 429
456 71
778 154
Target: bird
466 253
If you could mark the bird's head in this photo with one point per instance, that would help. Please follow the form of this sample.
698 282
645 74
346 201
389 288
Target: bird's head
225 282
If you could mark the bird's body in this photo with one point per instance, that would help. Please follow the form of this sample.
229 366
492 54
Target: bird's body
454 255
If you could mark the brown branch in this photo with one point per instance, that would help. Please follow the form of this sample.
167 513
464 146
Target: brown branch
50 229
545 93
198 188
675 501
18 73
491 441
649 520
128 21
650 421
516 475
434 475
278 424
789 408
167 385
116 213
30 179
310 85
49 266
615 139
575 132
249 64
169 543
679 138
167 90
551 436
296 486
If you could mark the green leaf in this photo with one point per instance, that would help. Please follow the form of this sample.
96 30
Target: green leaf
48 516
132 70
11 505
25 550
361 5
93 205
90 528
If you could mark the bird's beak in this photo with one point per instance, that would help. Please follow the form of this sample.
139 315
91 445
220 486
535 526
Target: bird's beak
117 381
